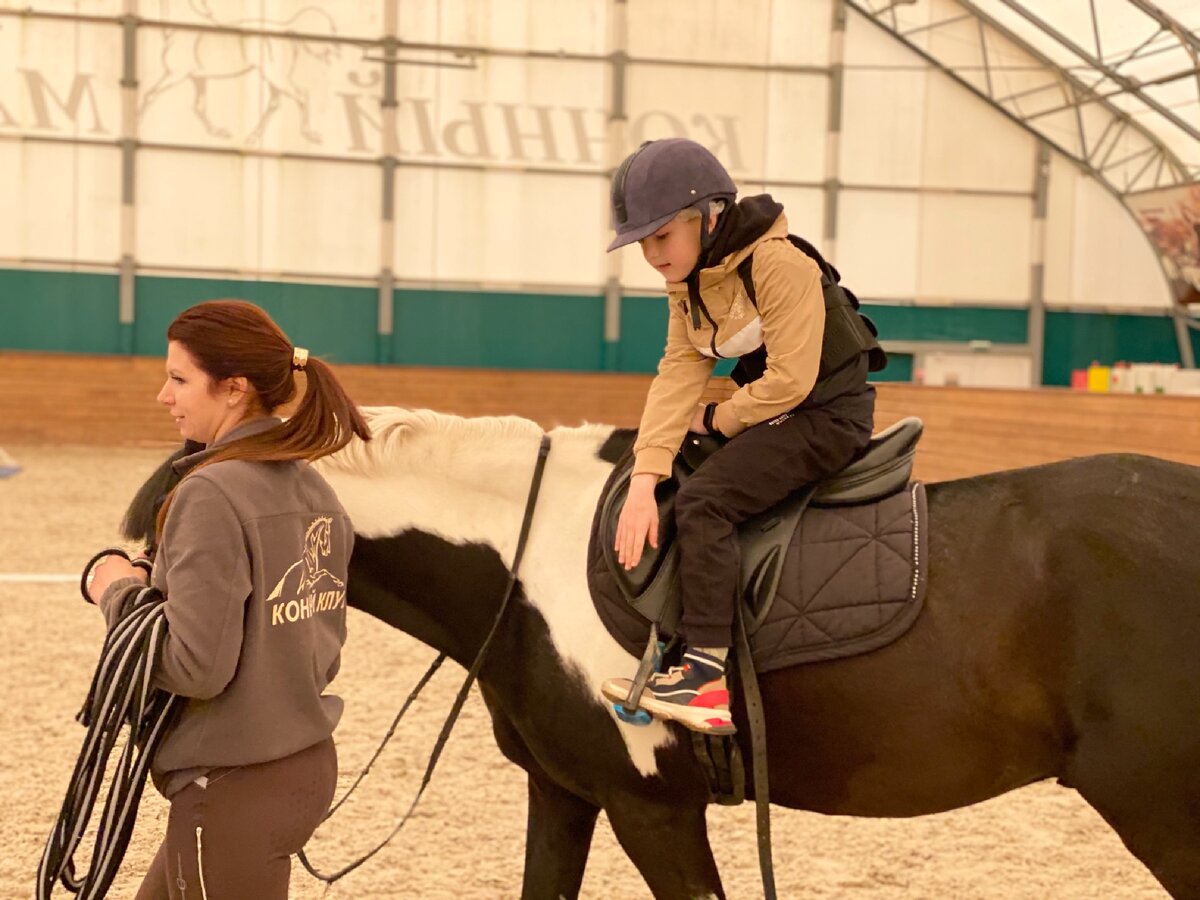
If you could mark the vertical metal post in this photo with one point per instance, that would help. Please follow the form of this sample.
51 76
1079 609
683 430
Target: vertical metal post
387 224
1036 328
618 122
833 131
127 263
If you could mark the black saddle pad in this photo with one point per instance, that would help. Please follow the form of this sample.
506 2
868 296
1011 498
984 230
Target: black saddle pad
853 580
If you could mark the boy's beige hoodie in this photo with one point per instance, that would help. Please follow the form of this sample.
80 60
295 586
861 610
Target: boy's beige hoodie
789 321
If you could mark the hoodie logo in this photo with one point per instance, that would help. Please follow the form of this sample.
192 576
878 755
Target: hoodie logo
737 309
307 600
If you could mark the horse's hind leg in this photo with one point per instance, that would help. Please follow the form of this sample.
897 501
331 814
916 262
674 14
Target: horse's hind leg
1153 803
557 840
669 845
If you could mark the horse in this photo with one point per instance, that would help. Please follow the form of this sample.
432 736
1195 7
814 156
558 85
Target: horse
1058 639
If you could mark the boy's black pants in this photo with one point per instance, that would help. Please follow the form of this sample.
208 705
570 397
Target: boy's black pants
751 473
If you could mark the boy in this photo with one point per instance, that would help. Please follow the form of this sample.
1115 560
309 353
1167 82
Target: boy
799 414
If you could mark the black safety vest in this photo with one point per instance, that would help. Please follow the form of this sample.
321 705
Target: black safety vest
848 333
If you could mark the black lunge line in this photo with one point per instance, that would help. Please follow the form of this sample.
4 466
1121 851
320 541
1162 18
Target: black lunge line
120 693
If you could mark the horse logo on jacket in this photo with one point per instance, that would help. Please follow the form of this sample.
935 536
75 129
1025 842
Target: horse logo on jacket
317 545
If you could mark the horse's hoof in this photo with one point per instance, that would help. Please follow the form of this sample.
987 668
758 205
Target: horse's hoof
640 717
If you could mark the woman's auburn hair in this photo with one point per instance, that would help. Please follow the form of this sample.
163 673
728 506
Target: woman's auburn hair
232 338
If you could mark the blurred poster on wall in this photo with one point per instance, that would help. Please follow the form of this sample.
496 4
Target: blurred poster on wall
1171 217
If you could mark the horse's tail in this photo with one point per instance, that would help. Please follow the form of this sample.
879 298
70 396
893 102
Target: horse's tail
139 520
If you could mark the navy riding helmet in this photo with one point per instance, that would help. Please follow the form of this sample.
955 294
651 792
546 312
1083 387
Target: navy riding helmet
659 180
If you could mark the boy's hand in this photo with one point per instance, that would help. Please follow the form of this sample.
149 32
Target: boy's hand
638 522
697 425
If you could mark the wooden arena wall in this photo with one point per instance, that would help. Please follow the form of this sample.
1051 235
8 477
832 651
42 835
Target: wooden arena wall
109 400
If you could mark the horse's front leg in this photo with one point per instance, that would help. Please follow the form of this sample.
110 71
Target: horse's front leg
668 842
558 835
557 840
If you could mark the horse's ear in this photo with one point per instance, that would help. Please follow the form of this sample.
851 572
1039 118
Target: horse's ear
139 520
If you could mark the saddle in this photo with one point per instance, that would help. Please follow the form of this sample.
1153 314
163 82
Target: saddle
651 589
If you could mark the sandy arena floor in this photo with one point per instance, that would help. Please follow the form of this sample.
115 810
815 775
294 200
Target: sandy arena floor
467 838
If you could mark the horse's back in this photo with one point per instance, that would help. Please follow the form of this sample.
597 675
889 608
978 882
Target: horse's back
1056 594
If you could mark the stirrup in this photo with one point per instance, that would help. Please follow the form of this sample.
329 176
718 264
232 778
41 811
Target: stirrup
630 711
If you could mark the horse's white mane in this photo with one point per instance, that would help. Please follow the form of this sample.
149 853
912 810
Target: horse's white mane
392 425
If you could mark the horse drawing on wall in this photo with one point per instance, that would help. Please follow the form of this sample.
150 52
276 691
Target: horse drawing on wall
197 57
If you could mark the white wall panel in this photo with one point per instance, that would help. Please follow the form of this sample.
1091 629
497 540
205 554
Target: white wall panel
69 206
804 208
320 217
501 111
197 210
87 7
974 249
11 216
780 32
724 110
578 26
1060 229
799 32
1113 264
794 127
701 30
500 228
883 130
877 243
968 144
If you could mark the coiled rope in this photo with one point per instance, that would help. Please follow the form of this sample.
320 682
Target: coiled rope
120 694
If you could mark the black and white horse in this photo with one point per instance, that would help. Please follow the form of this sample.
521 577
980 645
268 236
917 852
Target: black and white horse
1058 639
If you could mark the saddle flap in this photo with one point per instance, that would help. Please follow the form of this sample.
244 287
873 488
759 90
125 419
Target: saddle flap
764 539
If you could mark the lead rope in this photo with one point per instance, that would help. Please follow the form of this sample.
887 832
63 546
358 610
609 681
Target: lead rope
461 698
120 693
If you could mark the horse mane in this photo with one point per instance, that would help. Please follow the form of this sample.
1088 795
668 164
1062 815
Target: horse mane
391 426
138 523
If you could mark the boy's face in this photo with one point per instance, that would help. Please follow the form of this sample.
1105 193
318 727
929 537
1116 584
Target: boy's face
674 248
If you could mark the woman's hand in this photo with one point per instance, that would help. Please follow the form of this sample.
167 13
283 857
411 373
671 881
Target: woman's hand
112 568
697 425
638 522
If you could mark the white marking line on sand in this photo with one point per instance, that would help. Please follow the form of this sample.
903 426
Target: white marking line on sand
36 578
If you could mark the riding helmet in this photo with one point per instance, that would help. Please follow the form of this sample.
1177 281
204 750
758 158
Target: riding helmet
659 180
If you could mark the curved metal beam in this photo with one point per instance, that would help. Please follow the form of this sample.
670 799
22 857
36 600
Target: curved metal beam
1138 168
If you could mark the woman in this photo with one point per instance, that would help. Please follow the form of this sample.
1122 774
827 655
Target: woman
253 549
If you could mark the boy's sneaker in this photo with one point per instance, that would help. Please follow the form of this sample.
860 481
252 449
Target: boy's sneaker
694 694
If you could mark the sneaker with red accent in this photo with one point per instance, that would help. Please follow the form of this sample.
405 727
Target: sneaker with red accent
693 694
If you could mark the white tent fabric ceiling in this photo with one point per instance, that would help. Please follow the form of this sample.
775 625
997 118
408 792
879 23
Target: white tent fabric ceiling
1073 70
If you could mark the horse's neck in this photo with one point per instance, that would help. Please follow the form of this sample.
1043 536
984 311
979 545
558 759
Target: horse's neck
438 540
468 482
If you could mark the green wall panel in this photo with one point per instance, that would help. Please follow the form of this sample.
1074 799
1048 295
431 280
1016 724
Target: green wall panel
1074 340
948 323
499 330
899 368
75 312
643 333
334 322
